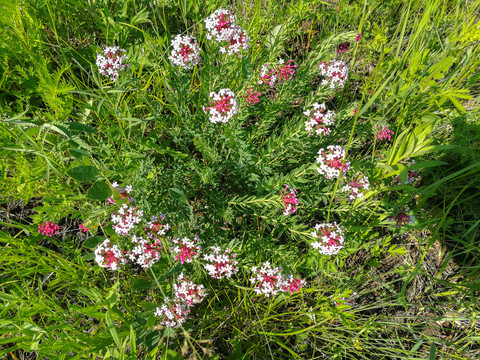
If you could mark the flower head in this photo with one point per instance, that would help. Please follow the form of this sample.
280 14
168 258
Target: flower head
320 118
335 73
220 25
289 199
145 253
185 51
237 42
343 48
186 249
188 291
173 315
157 226
268 76
109 256
251 97
330 238
268 279
112 62
126 218
291 284
402 218
355 186
286 70
83 228
358 37
384 133
331 161
48 228
223 107
221 264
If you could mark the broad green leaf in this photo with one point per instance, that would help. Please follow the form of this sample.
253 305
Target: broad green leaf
93 241
83 173
100 190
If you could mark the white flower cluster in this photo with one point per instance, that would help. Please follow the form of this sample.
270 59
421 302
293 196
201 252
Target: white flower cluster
335 73
185 51
109 256
188 291
111 62
330 237
271 281
220 25
173 315
155 228
144 253
355 186
238 41
126 218
331 161
221 265
186 249
319 119
223 106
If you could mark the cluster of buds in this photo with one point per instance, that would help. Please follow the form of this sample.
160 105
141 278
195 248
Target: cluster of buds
48 228
358 37
144 253
335 73
156 226
251 97
319 118
112 62
185 51
173 315
270 281
283 72
384 133
222 107
355 186
330 237
83 228
220 264
188 291
332 161
185 249
289 199
343 48
109 256
346 301
126 218
123 193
